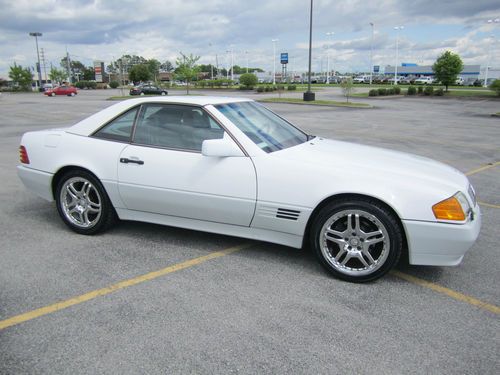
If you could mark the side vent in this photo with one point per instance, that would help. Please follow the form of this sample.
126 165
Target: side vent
283 213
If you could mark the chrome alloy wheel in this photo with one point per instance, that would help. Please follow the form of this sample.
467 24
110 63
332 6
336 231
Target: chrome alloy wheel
80 202
354 242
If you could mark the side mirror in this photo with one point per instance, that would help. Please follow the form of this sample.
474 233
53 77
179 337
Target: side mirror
223 147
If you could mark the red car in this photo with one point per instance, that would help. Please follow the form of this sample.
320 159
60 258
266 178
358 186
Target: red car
61 90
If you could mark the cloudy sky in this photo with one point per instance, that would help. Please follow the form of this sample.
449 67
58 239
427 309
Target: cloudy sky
107 29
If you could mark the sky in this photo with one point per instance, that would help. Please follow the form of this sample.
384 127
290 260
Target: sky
107 29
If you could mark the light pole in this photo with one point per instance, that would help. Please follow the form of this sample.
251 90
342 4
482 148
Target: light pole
232 62
246 58
397 28
371 55
274 60
36 35
309 95
211 65
492 37
330 34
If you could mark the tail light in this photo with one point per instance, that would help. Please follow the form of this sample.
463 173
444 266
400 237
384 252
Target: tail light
23 155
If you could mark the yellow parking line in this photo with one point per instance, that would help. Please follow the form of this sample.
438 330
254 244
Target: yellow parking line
448 292
113 288
489 205
483 168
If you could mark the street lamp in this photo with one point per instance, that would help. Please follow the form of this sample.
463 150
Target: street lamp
397 28
309 95
496 20
371 56
274 59
246 58
330 34
36 35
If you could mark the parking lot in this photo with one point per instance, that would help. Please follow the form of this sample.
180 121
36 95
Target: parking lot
225 305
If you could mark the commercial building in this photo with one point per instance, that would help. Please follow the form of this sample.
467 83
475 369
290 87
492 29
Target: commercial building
468 73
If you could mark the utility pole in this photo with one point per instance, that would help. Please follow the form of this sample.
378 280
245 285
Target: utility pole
68 66
371 55
274 60
309 95
44 66
397 28
36 35
331 34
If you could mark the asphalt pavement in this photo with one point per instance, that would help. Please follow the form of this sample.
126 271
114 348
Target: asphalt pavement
264 309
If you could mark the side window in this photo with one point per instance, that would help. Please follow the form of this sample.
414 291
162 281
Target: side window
175 126
120 129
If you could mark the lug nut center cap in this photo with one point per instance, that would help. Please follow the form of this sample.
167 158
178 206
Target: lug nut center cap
354 242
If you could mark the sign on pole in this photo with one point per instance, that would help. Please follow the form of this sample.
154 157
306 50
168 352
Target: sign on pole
376 68
284 58
98 70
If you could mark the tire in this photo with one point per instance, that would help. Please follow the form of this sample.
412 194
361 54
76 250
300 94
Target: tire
53 94
364 251
163 93
141 94
72 94
83 203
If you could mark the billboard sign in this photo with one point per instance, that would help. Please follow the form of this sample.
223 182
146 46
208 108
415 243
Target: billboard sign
98 70
376 68
284 58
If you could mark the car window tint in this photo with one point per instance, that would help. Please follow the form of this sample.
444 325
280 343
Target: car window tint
120 129
175 126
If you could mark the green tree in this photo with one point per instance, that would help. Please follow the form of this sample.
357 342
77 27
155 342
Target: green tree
88 73
154 68
495 86
139 73
447 67
347 87
20 76
57 76
167 66
125 63
187 70
248 80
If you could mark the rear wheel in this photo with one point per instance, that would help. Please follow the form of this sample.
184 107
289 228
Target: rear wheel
72 94
53 94
83 203
356 240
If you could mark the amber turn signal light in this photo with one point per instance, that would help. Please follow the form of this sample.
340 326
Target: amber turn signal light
449 209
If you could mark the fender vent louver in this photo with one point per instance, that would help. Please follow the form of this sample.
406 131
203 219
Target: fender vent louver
283 213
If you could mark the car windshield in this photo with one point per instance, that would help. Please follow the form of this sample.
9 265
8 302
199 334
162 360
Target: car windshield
267 130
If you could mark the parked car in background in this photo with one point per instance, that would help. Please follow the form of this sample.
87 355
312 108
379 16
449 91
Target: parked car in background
460 81
232 166
361 79
47 86
147 90
424 81
62 90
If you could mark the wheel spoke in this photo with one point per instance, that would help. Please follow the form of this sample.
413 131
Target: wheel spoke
86 217
374 241
362 260
335 233
372 234
357 227
73 193
349 223
339 241
369 256
346 259
339 254
87 189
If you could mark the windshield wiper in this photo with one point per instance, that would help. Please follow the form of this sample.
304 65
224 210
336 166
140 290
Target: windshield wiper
310 136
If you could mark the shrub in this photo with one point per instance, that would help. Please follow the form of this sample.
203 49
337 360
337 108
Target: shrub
243 87
412 90
420 89
373 92
260 89
100 86
268 89
292 87
382 91
495 86
397 90
248 79
390 91
80 84
280 87
477 83
429 90
114 84
439 92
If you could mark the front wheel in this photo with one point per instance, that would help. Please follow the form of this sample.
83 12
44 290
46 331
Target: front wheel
83 203
356 240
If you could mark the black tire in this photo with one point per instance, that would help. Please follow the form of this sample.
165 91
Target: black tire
367 254
82 203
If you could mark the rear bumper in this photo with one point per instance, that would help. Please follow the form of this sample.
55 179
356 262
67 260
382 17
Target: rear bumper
441 244
36 181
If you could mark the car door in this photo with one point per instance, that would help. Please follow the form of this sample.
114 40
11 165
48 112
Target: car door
163 171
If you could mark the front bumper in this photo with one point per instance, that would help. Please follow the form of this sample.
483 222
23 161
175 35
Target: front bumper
441 244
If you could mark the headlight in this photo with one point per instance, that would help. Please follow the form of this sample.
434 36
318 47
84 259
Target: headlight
455 208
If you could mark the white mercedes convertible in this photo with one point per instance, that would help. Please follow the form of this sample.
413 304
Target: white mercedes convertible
232 166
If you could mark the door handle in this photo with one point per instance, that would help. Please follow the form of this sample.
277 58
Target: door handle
126 161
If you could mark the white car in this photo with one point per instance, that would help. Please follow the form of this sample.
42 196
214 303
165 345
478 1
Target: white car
424 81
231 166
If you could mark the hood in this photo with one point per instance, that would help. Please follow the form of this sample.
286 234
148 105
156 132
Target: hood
341 156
